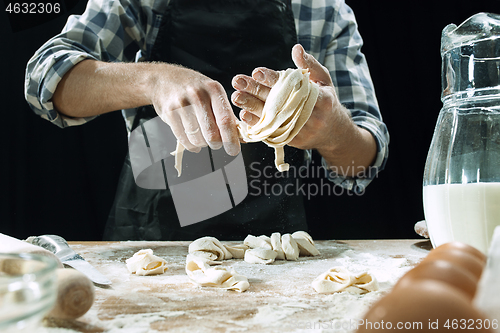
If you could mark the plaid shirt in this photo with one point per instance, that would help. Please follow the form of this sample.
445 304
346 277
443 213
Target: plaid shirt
125 31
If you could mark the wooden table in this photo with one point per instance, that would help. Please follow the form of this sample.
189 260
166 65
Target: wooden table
280 297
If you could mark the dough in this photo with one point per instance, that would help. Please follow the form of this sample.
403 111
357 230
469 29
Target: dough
218 277
238 251
266 238
260 256
255 250
305 243
290 247
338 279
421 229
178 153
288 107
258 242
277 246
206 257
365 282
209 248
145 262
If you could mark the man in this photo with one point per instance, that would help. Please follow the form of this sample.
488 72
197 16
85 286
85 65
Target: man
191 54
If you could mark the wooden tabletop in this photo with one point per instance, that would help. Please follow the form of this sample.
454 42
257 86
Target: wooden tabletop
280 297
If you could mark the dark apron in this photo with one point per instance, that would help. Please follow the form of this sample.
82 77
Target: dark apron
220 39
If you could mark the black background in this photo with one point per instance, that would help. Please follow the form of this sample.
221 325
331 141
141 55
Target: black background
63 181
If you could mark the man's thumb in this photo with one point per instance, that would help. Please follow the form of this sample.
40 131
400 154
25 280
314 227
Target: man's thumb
302 59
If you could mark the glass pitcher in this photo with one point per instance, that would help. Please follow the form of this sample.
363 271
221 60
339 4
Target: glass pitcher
461 185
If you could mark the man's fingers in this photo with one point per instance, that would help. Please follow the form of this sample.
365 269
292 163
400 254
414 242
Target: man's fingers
191 126
251 86
249 118
225 119
177 126
318 73
208 125
248 102
265 76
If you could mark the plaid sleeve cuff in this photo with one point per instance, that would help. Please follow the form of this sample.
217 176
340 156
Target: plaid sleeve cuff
42 77
359 184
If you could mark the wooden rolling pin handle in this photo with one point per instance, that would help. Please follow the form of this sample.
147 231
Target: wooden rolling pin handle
75 294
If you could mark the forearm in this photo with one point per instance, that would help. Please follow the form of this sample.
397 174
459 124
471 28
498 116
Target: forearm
93 87
352 151
181 97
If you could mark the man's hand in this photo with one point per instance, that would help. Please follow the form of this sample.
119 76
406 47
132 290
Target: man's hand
252 93
329 129
195 106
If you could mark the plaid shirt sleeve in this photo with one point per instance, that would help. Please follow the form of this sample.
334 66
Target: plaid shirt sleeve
107 31
328 30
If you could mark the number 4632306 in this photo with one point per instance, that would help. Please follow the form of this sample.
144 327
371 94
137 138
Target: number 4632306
33 8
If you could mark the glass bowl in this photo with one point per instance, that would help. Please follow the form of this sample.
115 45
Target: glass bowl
28 290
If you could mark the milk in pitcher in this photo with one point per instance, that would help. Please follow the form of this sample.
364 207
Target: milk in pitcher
462 212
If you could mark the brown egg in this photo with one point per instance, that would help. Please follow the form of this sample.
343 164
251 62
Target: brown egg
426 305
459 258
443 271
462 247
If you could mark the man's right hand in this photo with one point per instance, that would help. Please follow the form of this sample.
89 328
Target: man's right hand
195 106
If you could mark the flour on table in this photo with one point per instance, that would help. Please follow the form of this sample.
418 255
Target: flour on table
280 298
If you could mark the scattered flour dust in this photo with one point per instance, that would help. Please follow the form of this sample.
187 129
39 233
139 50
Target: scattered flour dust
280 297
129 323
134 323
386 270
269 314
137 323
54 330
